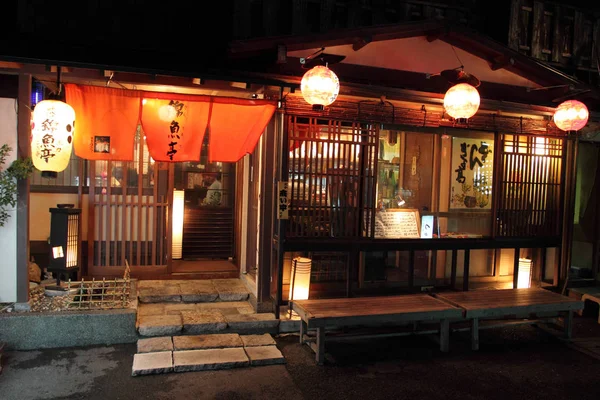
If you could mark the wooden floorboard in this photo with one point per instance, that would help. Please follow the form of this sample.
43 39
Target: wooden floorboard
369 306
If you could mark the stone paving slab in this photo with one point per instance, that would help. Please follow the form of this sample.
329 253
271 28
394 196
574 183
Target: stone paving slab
257 340
230 289
177 308
224 304
150 309
195 322
264 355
165 294
203 360
155 344
252 321
159 325
151 283
198 292
152 363
203 342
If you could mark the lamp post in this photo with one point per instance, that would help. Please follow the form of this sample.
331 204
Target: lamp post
461 102
320 87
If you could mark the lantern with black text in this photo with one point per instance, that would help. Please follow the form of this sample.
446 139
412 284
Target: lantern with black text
571 115
65 241
461 101
320 87
52 129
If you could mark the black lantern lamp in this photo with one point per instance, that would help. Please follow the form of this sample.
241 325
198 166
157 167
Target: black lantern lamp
65 242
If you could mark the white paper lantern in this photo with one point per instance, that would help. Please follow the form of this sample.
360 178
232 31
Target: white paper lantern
52 129
300 278
461 101
178 211
320 87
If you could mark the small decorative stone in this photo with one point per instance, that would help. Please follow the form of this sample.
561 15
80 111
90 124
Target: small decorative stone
257 340
152 363
156 344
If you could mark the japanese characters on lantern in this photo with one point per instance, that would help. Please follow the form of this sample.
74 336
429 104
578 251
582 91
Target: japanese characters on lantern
52 129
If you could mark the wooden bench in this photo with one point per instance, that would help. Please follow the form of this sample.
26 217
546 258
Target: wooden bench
511 303
322 314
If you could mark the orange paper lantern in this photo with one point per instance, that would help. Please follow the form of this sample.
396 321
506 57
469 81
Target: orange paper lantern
461 101
320 87
571 115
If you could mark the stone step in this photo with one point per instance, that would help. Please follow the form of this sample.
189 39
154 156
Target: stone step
192 291
204 352
206 321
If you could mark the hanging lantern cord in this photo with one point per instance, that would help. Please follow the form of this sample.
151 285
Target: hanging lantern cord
58 87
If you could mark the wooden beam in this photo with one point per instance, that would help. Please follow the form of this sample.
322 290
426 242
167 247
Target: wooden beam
361 42
500 62
10 65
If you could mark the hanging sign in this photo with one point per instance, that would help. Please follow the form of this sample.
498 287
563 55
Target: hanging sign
472 171
107 121
284 200
174 125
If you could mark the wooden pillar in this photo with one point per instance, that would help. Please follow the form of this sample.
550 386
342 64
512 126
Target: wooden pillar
268 206
23 150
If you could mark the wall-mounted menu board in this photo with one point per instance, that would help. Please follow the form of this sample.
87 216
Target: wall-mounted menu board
395 224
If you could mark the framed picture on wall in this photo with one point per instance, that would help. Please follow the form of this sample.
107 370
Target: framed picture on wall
472 172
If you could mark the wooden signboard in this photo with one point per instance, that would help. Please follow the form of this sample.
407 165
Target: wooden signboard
395 224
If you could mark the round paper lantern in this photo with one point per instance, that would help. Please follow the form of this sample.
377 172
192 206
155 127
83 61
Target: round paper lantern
320 87
461 101
571 115
52 129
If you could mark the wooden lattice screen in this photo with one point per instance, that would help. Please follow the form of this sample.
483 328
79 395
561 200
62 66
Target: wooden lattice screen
531 181
331 171
129 212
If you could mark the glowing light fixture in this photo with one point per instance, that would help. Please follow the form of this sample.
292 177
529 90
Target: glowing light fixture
571 115
461 101
167 113
52 129
300 278
177 242
320 87
524 278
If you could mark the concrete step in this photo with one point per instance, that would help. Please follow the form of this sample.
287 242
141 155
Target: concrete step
204 352
192 291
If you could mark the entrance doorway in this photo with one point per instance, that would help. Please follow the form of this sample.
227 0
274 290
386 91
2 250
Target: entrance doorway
208 224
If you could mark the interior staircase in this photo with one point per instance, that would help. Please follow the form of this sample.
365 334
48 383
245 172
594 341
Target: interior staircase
196 325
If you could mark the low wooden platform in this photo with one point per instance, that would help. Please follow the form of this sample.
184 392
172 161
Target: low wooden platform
372 311
511 303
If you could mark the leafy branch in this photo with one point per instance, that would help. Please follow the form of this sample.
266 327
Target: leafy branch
19 169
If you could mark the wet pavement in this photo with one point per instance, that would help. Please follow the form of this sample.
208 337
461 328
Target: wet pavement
519 362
